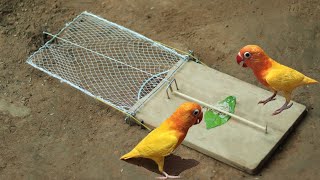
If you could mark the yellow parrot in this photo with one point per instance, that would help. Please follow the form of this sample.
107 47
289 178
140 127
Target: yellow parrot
163 140
272 74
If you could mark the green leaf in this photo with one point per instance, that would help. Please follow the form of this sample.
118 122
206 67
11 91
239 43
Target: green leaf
214 118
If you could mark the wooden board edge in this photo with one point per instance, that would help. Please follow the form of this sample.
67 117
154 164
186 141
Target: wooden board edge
263 162
266 159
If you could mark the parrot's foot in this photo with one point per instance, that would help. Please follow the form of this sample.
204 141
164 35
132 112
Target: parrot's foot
269 99
167 176
266 101
284 107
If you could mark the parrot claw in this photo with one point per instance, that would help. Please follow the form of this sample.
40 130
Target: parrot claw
167 176
266 101
284 107
272 98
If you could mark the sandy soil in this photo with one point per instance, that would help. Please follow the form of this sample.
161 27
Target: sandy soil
49 130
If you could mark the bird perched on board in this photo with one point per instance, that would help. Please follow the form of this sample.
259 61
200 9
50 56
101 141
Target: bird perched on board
163 140
272 74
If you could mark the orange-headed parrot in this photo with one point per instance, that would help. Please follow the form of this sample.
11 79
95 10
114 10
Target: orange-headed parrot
163 140
272 74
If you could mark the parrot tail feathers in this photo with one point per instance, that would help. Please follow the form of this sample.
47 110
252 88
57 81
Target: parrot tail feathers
308 80
132 154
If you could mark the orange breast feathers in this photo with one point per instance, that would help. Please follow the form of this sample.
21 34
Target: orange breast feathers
182 120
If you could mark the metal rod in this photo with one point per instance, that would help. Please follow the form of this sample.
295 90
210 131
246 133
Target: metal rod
245 121
160 45
148 80
102 55
170 87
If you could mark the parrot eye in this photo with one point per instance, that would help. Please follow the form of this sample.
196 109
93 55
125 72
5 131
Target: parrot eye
247 55
196 112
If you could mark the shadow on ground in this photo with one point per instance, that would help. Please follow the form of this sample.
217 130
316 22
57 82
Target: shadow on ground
173 165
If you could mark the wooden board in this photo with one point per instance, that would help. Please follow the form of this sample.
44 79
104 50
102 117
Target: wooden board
234 143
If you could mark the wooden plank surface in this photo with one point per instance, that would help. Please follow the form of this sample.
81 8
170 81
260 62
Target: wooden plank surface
234 143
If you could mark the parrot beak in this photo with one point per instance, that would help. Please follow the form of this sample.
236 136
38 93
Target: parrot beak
240 60
199 119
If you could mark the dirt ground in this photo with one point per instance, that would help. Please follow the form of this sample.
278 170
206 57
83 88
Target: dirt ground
49 130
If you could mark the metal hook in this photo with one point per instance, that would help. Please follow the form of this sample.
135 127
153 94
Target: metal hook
170 87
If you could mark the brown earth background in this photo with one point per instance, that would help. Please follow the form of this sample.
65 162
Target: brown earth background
49 130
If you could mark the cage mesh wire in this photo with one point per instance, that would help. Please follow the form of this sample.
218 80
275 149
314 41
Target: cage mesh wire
106 61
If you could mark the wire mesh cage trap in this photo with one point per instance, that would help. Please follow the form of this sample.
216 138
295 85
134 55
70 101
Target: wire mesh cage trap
107 61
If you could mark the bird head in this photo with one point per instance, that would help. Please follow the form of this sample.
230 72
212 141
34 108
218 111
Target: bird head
251 56
188 114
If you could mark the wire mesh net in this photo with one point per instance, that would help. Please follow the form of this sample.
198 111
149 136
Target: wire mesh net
106 61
